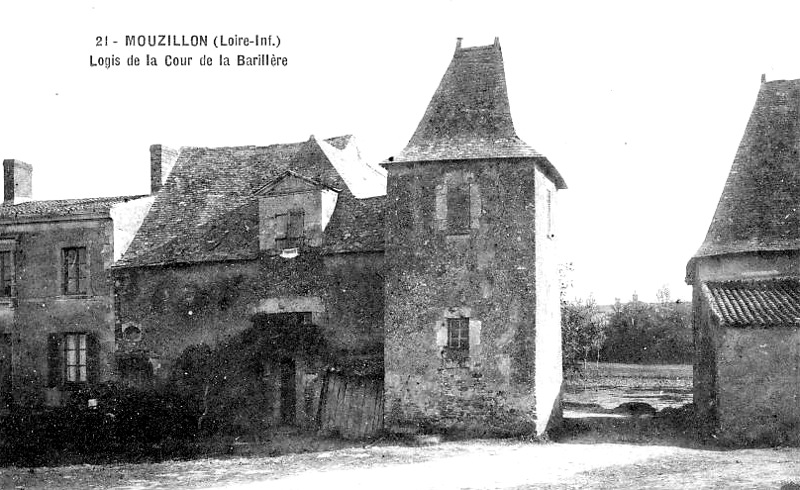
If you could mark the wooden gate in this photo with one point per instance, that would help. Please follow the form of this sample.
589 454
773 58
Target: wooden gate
351 405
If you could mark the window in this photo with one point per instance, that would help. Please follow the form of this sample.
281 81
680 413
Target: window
458 208
458 334
289 229
75 271
71 358
75 355
6 273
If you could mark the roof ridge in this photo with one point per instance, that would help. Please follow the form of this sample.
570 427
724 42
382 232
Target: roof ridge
469 115
759 207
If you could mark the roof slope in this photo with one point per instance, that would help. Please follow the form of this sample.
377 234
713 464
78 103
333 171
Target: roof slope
765 303
61 207
760 205
469 116
208 210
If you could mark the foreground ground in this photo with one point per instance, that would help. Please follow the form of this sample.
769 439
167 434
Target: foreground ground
474 464
598 447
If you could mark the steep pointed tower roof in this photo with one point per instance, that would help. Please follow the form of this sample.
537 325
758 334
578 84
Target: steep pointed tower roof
760 205
469 115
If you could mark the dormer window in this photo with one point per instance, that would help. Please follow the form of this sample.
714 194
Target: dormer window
289 229
293 213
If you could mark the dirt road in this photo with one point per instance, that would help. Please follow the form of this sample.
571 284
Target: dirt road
473 464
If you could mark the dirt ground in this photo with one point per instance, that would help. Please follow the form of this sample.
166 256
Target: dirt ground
451 465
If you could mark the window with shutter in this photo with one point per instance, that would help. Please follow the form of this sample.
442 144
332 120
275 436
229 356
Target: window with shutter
54 360
458 209
76 357
72 359
289 229
75 270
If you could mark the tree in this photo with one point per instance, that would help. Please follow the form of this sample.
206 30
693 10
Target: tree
583 331
641 332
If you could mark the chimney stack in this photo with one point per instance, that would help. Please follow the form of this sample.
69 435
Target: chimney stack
17 182
162 159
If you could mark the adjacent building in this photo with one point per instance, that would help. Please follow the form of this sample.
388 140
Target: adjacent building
258 246
746 280
56 294
472 318
299 284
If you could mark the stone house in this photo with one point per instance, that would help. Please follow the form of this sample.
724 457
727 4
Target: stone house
746 283
439 280
473 330
243 242
56 299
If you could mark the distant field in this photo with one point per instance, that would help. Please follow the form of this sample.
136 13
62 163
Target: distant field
602 387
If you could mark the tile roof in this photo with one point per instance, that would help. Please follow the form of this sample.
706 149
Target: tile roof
759 209
756 303
356 226
469 116
207 209
61 207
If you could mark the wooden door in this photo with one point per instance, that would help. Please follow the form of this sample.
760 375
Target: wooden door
288 391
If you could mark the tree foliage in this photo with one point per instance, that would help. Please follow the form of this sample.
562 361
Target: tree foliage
650 333
583 331
633 332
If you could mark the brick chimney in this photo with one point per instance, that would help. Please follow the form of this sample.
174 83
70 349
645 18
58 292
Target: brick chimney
17 182
162 159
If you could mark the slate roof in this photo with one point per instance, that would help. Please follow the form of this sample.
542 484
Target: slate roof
61 207
469 116
761 303
759 209
207 209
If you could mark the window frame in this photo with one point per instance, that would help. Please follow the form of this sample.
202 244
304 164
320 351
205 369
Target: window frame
6 273
79 269
458 334
290 229
80 361
459 196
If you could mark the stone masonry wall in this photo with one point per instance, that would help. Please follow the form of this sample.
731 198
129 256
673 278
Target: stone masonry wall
41 308
177 307
757 385
714 366
486 273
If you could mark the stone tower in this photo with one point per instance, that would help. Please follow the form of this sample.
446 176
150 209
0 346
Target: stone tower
746 283
473 338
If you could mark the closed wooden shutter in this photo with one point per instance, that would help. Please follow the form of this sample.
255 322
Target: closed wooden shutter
92 358
458 208
54 361
296 224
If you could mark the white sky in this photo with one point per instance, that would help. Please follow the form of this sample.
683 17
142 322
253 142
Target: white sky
640 105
